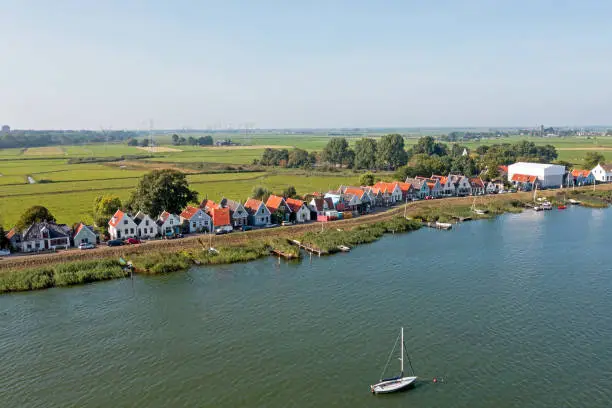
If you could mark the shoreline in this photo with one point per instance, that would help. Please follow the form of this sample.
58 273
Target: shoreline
40 271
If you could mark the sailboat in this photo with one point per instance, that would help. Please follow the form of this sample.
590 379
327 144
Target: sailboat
389 385
535 192
478 210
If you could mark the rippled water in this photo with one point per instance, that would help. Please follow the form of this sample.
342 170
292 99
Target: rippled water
514 312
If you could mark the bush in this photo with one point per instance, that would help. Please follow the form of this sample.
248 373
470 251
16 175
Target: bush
29 279
76 273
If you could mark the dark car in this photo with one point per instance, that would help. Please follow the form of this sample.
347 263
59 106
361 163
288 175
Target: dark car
114 242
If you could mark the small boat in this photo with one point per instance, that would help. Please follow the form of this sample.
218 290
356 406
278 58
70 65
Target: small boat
538 208
546 205
344 248
389 385
573 202
562 207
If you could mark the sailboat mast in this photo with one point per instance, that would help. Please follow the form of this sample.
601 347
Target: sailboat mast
402 352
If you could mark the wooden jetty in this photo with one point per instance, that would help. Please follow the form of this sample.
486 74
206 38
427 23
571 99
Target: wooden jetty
438 225
307 248
280 253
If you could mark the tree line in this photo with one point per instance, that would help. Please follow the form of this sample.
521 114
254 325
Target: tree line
192 141
41 138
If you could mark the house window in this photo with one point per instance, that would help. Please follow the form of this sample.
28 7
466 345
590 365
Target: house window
125 222
193 225
131 230
151 230
29 246
118 233
171 221
147 223
85 240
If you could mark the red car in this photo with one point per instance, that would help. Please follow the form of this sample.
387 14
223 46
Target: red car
429 198
132 241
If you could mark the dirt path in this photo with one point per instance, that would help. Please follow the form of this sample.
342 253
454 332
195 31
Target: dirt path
238 238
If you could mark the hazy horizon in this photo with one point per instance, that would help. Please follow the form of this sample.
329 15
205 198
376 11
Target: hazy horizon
320 65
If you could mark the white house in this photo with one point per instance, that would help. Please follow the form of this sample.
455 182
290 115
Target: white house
548 175
42 236
462 184
196 220
238 213
447 186
168 224
259 215
321 205
477 186
84 234
421 188
435 189
491 188
603 173
122 226
146 227
299 209
391 192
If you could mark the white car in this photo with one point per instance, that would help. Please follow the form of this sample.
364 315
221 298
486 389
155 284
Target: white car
4 252
86 245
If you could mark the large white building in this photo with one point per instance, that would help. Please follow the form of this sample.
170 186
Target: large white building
603 173
549 175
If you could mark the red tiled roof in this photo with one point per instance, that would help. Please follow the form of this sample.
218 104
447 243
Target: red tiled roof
583 173
189 212
503 169
385 187
478 181
164 216
523 178
359 192
274 202
11 233
431 185
220 216
441 179
116 219
252 204
206 203
294 204
405 187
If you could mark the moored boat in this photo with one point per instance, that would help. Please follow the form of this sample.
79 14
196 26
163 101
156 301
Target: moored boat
394 384
562 207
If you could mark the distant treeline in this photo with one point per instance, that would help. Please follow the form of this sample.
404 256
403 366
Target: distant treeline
40 138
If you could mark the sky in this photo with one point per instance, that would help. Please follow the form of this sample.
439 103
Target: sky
304 64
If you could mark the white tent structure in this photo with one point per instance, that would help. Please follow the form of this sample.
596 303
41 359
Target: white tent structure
549 175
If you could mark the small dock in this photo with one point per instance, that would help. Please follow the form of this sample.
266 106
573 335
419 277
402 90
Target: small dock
438 225
285 255
307 248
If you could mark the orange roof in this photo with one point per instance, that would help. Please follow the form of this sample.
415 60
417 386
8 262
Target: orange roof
206 203
583 173
189 212
294 204
385 187
477 180
11 233
522 178
431 185
79 228
116 219
405 187
503 169
220 216
274 202
252 204
359 192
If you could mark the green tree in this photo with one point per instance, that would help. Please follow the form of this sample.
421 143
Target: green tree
366 179
192 141
132 142
182 141
205 140
365 154
144 142
4 241
391 153
336 151
289 192
260 193
175 139
162 190
428 145
34 214
298 158
592 159
104 208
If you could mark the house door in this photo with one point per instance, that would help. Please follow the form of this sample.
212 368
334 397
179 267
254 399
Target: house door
46 244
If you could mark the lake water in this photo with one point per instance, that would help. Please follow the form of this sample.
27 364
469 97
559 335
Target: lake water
512 312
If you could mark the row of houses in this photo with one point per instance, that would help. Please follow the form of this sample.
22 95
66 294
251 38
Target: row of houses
41 236
527 176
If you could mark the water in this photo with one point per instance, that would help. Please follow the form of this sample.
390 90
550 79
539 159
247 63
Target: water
513 312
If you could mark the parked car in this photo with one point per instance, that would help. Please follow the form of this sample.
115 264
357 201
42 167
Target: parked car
114 242
4 252
132 241
247 227
285 223
428 197
86 245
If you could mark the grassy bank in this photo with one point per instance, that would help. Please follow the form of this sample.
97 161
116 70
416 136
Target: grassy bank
68 274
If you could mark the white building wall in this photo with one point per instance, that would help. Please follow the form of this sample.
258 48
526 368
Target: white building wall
549 175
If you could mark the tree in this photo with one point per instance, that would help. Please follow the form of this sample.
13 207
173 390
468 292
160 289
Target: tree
162 190
464 165
365 154
144 142
428 145
298 158
182 141
192 141
175 139
336 151
592 159
4 241
423 165
132 142
391 153
104 208
34 214
260 193
205 140
289 192
366 179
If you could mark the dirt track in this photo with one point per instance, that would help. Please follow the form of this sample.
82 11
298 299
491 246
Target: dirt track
237 238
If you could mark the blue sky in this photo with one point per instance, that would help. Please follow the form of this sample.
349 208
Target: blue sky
87 64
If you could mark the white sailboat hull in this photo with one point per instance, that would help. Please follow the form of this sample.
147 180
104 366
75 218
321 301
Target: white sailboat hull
394 385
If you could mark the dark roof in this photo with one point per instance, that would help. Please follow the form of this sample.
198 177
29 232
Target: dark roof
231 204
34 231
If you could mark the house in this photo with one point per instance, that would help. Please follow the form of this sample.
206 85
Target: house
491 187
122 226
168 225
14 238
435 189
299 210
448 187
195 219
523 182
548 175
407 190
146 228
362 203
581 177
219 215
44 236
421 188
238 213
477 186
259 214
390 191
334 196
462 184
278 207
321 205
602 173
84 234
376 197
503 172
